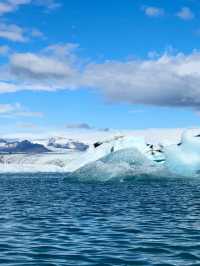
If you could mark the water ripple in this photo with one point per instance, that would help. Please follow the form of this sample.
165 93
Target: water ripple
47 220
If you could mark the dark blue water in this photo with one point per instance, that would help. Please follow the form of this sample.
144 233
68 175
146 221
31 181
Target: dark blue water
48 220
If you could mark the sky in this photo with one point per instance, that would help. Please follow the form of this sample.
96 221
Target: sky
98 64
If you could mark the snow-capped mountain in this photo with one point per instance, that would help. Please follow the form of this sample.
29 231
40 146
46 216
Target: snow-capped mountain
61 143
25 146
41 146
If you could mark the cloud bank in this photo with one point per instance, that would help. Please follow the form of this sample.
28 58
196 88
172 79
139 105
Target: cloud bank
165 80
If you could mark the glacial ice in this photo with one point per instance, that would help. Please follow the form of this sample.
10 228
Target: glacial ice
118 157
122 164
184 158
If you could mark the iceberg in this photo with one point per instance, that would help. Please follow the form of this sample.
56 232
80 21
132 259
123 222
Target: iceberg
121 157
96 152
184 158
127 157
122 164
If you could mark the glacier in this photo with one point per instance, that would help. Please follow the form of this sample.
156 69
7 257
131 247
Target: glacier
120 156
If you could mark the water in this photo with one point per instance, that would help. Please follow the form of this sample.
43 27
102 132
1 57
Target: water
48 220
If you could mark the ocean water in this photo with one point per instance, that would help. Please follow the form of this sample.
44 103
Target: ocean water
50 220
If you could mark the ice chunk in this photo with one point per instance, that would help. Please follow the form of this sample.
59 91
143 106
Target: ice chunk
121 164
116 164
184 158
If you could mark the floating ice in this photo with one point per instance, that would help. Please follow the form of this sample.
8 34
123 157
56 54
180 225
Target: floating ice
122 164
132 157
184 158
120 158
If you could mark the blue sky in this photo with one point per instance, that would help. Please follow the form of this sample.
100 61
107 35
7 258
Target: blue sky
108 64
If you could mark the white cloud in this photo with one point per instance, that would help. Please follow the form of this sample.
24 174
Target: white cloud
9 6
7 108
15 33
51 69
185 13
26 125
7 86
14 110
49 4
5 8
36 66
164 80
42 72
12 32
152 11
4 49
66 51
36 33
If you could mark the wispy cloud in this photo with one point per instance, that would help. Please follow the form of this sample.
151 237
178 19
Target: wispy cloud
152 11
185 14
49 4
16 110
78 126
136 111
16 33
9 6
12 32
4 49
37 33
26 125
12 5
